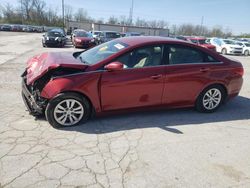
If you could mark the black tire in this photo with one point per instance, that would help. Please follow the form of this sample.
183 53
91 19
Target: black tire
224 51
61 98
201 107
246 53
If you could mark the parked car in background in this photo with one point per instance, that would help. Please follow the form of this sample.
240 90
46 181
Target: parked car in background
226 46
128 73
74 32
95 33
246 47
132 34
201 41
6 27
16 28
54 37
83 39
181 38
106 36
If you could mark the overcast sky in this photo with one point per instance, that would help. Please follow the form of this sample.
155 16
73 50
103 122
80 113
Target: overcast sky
233 14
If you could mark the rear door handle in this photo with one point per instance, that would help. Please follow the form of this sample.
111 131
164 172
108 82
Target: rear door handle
204 69
156 76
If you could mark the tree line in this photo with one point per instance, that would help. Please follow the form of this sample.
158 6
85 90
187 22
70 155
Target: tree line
36 12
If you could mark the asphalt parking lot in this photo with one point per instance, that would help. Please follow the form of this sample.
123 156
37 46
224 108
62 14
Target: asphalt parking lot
176 148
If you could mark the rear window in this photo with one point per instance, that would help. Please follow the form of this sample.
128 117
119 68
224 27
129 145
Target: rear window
112 35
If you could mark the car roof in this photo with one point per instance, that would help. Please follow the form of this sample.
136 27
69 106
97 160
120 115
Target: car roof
109 31
138 40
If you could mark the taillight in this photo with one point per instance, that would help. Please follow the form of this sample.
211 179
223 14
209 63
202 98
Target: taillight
239 71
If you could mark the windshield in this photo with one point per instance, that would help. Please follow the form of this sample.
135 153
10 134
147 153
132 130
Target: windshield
101 52
247 44
83 34
54 34
229 42
112 35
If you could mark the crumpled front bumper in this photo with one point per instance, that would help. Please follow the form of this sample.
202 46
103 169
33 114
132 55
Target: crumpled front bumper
29 100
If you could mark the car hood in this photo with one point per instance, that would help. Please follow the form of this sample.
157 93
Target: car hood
41 64
84 38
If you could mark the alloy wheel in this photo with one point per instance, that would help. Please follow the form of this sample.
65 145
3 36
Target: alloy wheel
68 112
212 99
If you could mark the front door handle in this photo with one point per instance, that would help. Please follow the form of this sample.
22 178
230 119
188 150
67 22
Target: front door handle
156 76
204 69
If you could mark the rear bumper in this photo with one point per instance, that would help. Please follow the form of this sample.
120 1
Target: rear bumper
29 100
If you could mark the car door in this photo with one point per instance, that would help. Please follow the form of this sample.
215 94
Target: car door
139 84
188 71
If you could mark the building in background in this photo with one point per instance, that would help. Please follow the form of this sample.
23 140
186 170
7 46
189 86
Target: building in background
148 31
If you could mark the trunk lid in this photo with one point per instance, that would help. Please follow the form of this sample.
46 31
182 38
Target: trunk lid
41 64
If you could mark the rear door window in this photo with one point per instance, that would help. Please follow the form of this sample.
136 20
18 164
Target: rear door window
187 55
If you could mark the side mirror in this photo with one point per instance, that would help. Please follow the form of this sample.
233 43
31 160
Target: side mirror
114 66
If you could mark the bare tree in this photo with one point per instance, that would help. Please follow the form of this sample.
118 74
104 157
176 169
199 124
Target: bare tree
113 20
38 11
27 6
68 12
81 15
123 20
141 23
100 20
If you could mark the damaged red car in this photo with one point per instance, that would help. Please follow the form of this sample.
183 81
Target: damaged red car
128 73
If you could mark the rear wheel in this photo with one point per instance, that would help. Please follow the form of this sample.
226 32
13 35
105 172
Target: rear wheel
224 51
210 99
67 110
246 53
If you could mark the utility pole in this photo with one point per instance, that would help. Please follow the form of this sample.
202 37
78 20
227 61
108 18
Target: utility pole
201 27
131 13
63 13
21 8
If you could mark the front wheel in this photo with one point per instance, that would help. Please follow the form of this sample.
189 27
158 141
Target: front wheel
210 99
224 51
246 53
67 110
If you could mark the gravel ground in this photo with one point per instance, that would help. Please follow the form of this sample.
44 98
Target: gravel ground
177 148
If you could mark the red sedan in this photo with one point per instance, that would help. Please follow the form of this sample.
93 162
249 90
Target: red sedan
201 42
83 39
128 73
